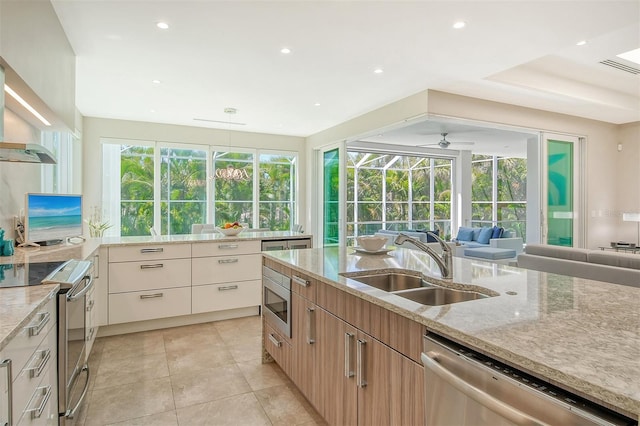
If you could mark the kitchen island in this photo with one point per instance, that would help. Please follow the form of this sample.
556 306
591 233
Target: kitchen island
580 335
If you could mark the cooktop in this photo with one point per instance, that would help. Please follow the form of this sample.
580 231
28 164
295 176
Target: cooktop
26 274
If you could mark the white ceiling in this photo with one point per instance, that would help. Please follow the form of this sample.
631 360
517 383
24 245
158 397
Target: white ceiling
219 54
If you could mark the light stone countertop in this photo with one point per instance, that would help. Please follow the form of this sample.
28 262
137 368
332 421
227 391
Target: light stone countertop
19 304
581 335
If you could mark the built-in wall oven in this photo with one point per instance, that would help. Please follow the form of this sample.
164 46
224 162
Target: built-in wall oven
276 299
76 280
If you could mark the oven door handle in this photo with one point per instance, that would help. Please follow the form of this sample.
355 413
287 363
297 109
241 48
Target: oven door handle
81 293
69 414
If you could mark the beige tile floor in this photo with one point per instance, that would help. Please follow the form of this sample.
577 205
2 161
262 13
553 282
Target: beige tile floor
204 374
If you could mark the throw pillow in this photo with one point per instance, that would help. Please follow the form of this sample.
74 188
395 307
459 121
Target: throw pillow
465 234
476 233
497 232
485 235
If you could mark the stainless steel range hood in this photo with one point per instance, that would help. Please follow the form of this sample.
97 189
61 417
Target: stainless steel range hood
19 152
25 153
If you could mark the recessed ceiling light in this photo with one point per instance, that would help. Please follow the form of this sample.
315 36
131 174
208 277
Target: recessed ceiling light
316 104
285 50
156 81
632 55
581 43
459 24
378 71
152 110
162 25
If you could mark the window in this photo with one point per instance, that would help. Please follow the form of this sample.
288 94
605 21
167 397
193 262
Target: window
149 184
397 192
60 177
499 192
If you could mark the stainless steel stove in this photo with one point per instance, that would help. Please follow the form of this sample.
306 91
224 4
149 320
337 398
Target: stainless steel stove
26 274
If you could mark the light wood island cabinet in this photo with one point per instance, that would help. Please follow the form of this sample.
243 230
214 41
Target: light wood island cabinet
355 362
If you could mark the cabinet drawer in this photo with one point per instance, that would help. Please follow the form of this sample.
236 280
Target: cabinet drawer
278 348
35 373
225 248
44 396
23 345
146 305
224 269
304 285
217 297
138 276
149 252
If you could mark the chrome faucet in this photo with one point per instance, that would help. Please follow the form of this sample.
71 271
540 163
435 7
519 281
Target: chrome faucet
444 260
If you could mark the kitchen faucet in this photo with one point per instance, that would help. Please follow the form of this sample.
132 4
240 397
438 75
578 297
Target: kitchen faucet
444 260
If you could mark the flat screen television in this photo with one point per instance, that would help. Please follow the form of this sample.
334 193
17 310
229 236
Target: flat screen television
51 218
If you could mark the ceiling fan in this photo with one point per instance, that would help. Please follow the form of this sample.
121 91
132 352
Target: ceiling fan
444 143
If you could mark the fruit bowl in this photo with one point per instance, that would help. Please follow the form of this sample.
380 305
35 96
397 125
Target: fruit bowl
230 232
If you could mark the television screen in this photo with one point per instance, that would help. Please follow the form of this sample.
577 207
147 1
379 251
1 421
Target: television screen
50 218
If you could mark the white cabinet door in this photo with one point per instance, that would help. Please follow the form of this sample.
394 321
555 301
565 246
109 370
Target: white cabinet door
224 269
149 252
148 275
217 297
146 305
225 248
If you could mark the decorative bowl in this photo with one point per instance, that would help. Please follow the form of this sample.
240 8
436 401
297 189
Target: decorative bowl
371 242
230 232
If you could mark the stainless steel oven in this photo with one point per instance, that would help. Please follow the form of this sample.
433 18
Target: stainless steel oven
75 279
276 299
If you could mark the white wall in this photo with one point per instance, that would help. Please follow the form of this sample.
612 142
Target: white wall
96 128
16 178
627 178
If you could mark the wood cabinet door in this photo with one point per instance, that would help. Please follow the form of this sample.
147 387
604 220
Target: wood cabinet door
337 393
378 377
303 342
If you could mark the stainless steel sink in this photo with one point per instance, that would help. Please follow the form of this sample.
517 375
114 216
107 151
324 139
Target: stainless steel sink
391 282
434 296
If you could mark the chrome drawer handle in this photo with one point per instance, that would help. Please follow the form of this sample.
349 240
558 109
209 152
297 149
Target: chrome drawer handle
36 371
152 250
221 261
34 330
7 364
347 355
311 329
151 296
154 266
90 305
37 412
275 341
90 336
228 287
361 382
227 246
301 281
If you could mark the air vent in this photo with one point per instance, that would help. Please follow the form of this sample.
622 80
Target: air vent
219 121
620 66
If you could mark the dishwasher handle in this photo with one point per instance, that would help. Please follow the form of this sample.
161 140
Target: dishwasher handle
430 361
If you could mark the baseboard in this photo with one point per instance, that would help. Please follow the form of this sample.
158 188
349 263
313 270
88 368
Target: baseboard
134 327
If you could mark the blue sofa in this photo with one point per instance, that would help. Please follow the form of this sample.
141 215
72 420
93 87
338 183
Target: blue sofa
494 237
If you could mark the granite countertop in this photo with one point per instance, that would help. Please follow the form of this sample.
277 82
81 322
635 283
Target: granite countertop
203 238
18 305
579 334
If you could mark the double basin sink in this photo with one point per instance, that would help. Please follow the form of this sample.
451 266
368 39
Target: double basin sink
414 287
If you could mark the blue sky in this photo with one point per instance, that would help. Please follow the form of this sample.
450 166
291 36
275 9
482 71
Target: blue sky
54 205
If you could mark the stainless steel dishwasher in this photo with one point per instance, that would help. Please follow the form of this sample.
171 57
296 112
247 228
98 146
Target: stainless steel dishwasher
463 387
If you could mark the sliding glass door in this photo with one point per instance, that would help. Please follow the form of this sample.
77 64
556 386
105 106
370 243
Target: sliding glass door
562 184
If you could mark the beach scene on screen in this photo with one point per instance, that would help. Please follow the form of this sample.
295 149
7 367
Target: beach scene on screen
54 217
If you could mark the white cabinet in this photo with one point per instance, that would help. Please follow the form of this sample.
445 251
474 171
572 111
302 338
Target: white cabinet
32 355
149 282
226 275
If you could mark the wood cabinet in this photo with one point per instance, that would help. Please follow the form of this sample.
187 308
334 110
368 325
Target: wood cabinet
355 361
